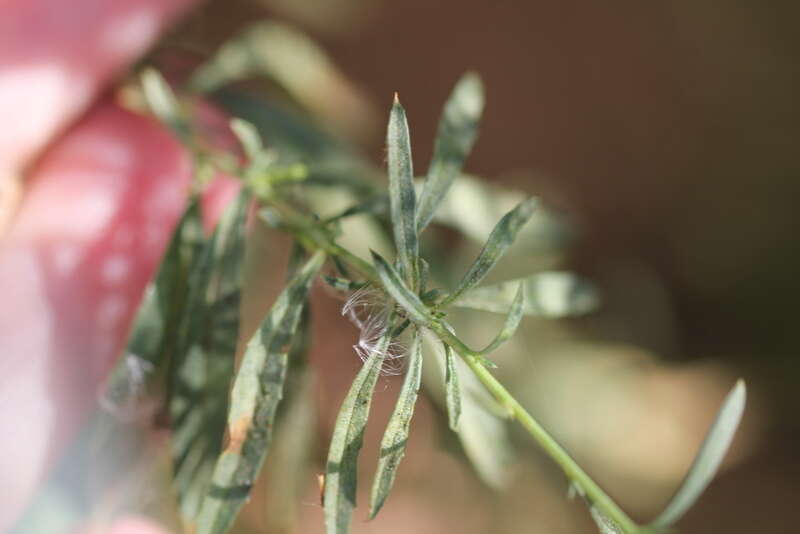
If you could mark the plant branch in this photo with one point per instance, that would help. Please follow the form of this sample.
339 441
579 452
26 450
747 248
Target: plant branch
592 492
314 237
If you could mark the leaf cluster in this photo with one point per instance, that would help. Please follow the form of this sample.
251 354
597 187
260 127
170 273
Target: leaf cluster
223 418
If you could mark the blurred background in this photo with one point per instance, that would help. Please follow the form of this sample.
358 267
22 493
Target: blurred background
663 137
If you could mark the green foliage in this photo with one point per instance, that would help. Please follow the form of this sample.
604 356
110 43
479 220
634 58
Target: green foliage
202 366
405 297
257 390
150 344
512 322
393 444
163 103
458 130
402 198
500 240
452 389
189 322
341 471
708 459
547 294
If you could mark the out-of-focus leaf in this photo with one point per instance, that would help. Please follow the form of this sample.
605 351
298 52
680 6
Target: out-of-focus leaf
287 57
257 391
294 138
452 389
163 103
400 292
374 205
424 276
473 206
482 434
151 338
511 323
458 129
393 444
484 437
341 473
249 138
548 294
204 358
288 464
402 198
708 459
499 241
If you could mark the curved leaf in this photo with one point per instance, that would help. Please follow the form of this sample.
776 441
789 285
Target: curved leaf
393 444
203 362
708 459
552 294
150 341
341 473
451 388
511 323
458 129
501 238
257 391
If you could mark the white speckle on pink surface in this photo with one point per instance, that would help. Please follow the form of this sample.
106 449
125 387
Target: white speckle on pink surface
110 311
66 256
115 269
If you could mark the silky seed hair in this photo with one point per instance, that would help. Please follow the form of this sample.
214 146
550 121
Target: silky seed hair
366 309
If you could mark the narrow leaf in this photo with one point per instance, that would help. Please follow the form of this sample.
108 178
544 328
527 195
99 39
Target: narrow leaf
482 435
249 138
499 241
290 59
202 366
393 444
548 294
451 388
163 103
289 464
400 292
458 129
708 459
257 391
348 435
150 341
511 323
402 198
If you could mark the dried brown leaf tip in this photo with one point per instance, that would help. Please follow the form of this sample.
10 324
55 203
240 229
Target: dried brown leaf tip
237 434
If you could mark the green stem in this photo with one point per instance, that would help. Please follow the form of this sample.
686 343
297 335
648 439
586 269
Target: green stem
313 237
595 495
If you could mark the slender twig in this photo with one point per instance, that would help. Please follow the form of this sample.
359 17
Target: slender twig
314 237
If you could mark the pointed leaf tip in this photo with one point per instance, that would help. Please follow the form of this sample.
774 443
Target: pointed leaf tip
402 197
708 459
458 130
500 240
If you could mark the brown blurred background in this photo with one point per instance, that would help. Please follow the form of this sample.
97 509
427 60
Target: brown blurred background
667 133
